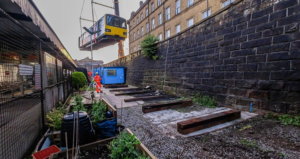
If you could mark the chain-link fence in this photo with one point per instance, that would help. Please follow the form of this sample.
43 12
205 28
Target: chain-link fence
33 79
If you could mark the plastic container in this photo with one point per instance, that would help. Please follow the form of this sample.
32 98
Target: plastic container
46 152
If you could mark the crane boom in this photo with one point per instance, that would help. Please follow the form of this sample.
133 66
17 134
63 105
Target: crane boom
120 44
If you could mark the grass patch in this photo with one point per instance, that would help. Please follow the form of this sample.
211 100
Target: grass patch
248 143
205 101
285 119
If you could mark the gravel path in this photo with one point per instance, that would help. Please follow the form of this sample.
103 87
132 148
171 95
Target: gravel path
255 138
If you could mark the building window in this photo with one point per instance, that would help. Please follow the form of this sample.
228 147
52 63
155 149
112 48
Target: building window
168 13
142 31
51 69
142 16
147 27
137 20
147 12
177 28
160 37
152 7
139 47
226 3
158 2
168 33
138 33
133 36
190 22
159 19
190 2
206 14
134 49
177 7
133 24
153 23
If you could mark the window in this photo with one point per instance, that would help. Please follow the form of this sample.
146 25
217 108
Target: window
134 49
50 69
142 16
147 27
158 2
159 19
142 31
206 14
153 23
168 13
133 36
160 37
177 28
190 22
138 33
226 3
137 20
168 33
116 21
133 24
152 7
147 12
190 2
139 47
177 7
111 72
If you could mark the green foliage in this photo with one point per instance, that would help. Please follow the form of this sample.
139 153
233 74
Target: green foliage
149 47
79 105
78 80
205 101
85 87
123 147
248 143
290 120
98 111
54 118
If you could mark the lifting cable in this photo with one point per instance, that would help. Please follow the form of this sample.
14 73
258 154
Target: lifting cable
93 21
80 22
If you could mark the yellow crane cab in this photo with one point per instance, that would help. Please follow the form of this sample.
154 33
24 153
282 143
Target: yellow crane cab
112 29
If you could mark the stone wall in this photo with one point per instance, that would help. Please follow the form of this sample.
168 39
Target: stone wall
247 52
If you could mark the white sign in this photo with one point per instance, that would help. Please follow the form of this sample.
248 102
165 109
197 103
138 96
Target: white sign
25 70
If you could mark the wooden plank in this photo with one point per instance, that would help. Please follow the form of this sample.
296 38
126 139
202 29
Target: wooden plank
130 93
192 125
115 86
143 98
111 107
142 147
128 89
164 106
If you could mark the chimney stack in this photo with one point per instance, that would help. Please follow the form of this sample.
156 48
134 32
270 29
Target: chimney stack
141 4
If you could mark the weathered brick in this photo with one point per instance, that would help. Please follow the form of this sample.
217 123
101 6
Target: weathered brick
226 83
220 89
273 48
237 92
293 10
246 102
285 4
243 52
224 55
204 88
245 83
284 56
270 85
295 45
247 67
291 28
241 26
240 39
265 26
217 75
229 48
202 75
257 75
241 19
248 31
235 60
226 68
225 43
208 82
278 15
256 58
259 95
258 21
277 96
262 12
234 75
272 32
225 31
285 75
256 43
270 66
202 63
232 35
289 20
286 38
295 64
254 36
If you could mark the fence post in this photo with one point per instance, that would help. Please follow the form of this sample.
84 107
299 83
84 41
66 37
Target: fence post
42 87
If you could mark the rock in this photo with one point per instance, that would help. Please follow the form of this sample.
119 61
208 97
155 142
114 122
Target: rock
205 149
251 132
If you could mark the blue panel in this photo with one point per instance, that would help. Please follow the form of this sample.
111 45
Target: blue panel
111 75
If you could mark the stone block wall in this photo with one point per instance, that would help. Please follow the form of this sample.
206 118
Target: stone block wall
247 52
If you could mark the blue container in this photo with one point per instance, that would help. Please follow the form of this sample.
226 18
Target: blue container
111 75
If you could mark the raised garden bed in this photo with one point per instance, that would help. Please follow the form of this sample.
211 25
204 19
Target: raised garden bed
163 106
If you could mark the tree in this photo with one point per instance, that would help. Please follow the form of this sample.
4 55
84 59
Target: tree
78 80
149 46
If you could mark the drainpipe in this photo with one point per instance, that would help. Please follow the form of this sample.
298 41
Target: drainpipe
164 20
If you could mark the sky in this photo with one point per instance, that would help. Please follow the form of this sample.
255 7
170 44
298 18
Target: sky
63 17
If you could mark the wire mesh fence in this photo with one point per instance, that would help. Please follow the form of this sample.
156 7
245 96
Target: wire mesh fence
34 78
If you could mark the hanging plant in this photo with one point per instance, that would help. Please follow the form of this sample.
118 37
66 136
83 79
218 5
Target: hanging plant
149 47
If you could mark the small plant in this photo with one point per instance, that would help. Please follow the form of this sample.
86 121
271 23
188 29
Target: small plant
79 105
205 101
123 147
248 143
290 120
78 80
84 88
54 118
98 111
149 47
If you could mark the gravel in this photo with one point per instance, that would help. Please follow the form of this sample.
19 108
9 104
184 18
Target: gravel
254 138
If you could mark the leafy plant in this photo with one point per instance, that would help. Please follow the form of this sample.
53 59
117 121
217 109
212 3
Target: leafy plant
54 118
248 143
149 47
205 101
290 120
78 80
85 87
79 105
98 111
123 147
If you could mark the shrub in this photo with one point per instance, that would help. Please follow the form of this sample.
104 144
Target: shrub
124 147
78 80
205 101
54 118
98 111
149 47
79 105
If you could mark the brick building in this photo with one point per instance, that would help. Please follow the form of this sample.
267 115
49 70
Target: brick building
166 18
86 63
